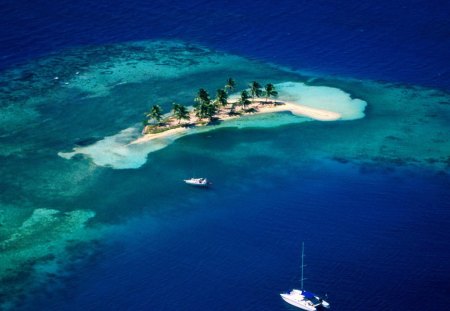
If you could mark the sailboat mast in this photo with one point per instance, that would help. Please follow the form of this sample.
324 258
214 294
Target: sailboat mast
303 258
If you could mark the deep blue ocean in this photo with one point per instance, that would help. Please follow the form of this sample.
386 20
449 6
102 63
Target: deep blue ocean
375 240
400 41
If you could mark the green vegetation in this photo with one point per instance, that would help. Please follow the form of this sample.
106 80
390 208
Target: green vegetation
155 114
243 100
269 91
155 129
202 97
231 84
221 97
255 89
180 112
205 108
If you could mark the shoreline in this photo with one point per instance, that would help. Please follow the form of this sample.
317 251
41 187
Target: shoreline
148 137
258 105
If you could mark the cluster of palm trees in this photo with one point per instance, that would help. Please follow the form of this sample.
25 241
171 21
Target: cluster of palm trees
207 108
180 112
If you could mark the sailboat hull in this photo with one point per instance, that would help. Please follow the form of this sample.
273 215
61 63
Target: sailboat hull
302 304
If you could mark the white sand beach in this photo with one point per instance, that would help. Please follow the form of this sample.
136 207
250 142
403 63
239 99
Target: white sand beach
257 106
148 137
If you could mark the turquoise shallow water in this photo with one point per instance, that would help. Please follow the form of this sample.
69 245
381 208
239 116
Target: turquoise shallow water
367 196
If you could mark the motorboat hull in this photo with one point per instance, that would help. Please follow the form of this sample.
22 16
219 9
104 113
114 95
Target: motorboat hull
197 182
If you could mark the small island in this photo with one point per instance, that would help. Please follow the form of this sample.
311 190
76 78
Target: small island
128 149
207 111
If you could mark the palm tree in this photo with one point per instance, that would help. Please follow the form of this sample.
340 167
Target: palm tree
155 113
211 110
221 97
200 111
244 99
255 89
202 97
205 110
230 85
180 112
270 91
204 107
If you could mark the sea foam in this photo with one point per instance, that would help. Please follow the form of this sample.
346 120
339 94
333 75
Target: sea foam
121 151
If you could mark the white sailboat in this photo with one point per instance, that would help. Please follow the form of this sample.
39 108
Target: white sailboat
303 299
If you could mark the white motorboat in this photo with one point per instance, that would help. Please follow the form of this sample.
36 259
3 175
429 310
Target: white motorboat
199 182
303 299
